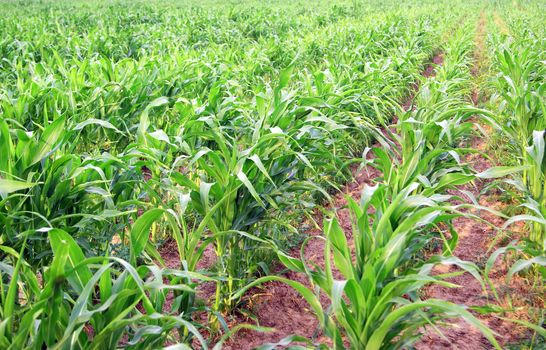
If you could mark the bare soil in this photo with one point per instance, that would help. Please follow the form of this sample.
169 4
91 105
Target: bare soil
475 245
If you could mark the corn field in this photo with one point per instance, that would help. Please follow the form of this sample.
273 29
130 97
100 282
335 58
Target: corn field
267 175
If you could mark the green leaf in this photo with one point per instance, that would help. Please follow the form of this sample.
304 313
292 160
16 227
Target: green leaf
160 101
9 186
500 171
284 76
140 232
99 122
242 177
74 256
5 149
284 342
49 138
10 297
525 264
377 339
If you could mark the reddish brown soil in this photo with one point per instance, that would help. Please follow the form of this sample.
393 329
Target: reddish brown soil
171 258
480 52
475 239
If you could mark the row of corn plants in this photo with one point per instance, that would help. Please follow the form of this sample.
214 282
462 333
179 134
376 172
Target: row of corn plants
373 281
520 82
516 112
95 302
519 110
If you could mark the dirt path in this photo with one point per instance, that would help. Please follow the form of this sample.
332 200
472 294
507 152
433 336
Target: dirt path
501 25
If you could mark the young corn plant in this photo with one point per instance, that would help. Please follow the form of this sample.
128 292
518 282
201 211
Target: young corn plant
534 190
373 281
94 303
42 186
231 188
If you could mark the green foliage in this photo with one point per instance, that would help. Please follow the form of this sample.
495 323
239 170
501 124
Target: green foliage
92 303
372 279
222 126
520 85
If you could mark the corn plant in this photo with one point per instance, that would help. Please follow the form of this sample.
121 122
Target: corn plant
237 186
95 302
372 282
41 186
